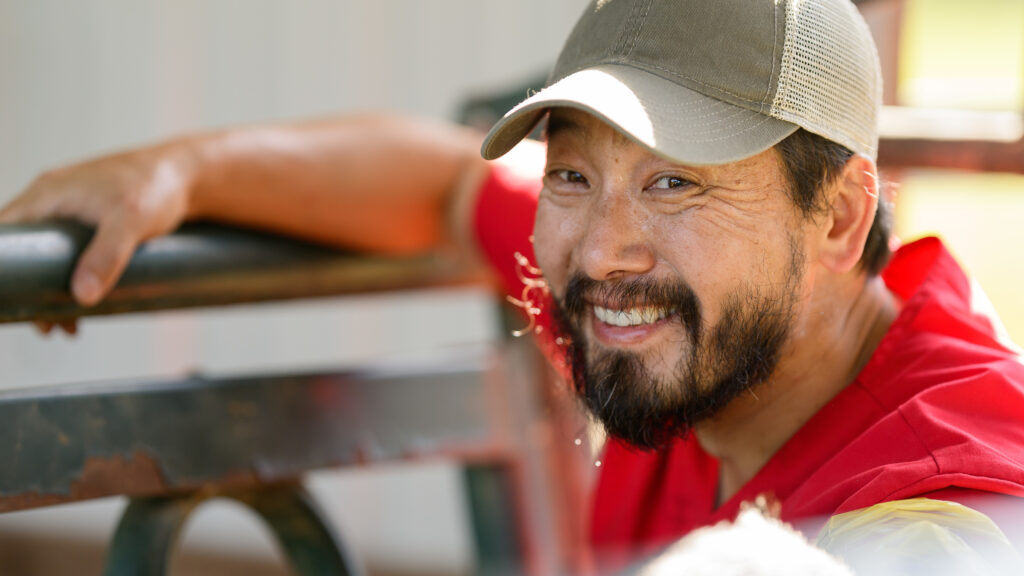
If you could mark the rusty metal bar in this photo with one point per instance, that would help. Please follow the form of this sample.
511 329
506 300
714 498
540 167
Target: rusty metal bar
974 155
988 141
200 265
69 443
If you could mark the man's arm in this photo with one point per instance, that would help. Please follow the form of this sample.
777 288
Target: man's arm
376 183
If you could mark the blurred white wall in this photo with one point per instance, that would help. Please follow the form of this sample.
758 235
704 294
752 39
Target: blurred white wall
77 78
86 77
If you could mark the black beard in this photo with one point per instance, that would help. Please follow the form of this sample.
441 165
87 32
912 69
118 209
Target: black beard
739 353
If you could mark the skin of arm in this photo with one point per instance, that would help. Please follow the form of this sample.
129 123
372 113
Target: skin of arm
378 183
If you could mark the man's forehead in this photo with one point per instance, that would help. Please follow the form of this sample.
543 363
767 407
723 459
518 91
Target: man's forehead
582 125
567 120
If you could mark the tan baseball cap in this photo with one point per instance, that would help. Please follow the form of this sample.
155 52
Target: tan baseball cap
713 81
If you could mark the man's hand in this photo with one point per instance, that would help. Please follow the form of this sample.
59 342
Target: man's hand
378 183
128 197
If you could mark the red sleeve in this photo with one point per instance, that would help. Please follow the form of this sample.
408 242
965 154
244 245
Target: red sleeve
503 222
503 227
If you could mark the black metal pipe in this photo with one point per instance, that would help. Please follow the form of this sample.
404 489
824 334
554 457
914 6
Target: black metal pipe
199 265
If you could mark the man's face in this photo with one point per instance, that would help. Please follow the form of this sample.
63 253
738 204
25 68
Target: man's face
676 286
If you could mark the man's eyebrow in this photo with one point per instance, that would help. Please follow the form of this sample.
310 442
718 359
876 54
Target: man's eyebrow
557 123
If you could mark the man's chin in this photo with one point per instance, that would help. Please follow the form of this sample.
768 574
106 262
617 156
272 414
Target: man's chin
648 436
633 407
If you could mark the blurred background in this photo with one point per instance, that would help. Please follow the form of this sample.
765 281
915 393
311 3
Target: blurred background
83 78
967 55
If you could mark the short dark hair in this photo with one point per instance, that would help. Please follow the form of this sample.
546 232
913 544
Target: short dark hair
812 163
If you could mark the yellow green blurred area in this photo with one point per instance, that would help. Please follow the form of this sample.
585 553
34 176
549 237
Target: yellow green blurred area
962 54
968 54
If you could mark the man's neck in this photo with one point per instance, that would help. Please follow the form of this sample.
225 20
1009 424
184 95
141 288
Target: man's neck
824 355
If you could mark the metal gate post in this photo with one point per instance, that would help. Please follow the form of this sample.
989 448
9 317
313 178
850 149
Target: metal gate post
499 549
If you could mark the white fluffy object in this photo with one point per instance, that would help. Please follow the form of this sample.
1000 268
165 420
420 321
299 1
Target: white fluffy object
753 545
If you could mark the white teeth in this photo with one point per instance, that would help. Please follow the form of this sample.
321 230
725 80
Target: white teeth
631 317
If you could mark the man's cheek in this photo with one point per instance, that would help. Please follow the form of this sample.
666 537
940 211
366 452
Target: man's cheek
546 249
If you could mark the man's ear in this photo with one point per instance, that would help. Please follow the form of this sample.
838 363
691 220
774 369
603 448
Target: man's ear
854 199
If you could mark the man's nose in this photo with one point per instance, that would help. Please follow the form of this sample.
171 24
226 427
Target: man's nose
615 243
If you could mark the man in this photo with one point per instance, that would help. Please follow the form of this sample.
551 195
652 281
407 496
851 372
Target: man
710 237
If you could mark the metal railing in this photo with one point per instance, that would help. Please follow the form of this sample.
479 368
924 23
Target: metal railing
951 139
199 265
171 445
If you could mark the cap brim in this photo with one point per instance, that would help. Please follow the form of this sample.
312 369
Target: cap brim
668 119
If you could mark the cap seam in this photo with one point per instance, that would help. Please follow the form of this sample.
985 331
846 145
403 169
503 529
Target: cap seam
639 27
700 108
746 129
620 43
775 47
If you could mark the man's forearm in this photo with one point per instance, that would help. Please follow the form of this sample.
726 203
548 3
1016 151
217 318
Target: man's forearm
380 183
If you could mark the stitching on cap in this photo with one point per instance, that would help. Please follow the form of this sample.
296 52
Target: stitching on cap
728 136
775 44
640 27
620 42
740 114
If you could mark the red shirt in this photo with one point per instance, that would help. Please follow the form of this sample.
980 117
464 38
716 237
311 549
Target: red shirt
939 404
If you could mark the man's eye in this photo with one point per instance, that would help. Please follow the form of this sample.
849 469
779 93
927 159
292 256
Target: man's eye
571 176
667 182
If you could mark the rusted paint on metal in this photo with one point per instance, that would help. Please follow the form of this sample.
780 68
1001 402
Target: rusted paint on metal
136 474
85 441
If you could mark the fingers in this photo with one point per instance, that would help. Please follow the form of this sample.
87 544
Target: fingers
103 262
68 326
107 254
12 212
38 202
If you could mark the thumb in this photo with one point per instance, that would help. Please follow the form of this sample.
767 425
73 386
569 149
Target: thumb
102 263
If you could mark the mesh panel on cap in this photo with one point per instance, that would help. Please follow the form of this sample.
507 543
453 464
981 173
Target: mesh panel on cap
830 82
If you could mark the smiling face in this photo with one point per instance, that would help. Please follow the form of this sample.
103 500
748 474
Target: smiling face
678 286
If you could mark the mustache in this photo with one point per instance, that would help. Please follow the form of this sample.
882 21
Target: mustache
675 295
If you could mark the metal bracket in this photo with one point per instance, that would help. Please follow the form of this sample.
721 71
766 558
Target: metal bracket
145 536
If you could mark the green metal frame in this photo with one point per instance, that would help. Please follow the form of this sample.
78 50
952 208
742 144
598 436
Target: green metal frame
495 525
146 534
